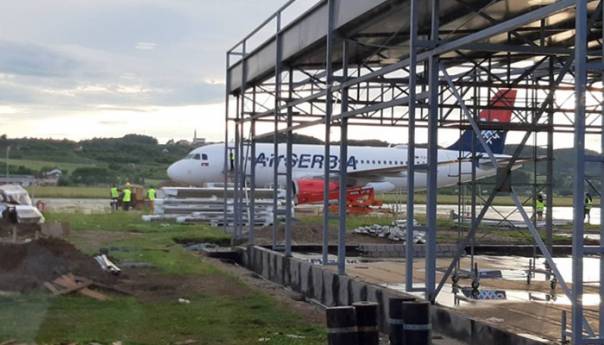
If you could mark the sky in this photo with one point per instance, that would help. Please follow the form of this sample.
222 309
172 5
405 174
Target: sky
99 68
105 68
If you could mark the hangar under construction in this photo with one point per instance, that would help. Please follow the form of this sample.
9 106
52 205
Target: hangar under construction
429 66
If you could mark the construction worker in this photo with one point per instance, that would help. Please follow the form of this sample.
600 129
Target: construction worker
539 206
151 194
115 196
127 198
587 209
232 159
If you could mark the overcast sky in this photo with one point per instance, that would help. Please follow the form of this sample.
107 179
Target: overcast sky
104 68
79 69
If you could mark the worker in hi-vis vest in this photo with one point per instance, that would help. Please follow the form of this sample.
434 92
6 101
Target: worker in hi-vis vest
539 206
115 197
232 159
151 195
127 198
587 209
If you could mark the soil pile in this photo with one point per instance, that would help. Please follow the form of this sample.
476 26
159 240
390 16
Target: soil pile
25 267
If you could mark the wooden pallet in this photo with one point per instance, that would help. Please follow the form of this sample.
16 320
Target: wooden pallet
68 283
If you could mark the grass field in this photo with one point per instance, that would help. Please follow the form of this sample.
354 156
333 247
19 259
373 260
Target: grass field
224 310
39 164
69 192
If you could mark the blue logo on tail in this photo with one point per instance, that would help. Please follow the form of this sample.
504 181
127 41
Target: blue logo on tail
494 138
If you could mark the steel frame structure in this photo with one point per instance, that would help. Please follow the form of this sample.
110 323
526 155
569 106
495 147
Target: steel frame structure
432 75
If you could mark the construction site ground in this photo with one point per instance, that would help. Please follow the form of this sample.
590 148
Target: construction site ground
165 294
517 314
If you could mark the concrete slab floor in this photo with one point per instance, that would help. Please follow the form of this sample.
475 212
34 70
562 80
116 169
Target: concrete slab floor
524 312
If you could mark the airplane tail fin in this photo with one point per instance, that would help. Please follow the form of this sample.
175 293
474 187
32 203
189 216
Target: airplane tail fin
494 138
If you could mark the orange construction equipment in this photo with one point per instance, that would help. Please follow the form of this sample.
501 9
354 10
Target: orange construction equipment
358 199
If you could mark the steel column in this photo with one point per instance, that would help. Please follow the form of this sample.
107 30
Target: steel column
252 195
226 146
342 182
432 187
601 257
409 247
276 160
288 172
328 113
579 177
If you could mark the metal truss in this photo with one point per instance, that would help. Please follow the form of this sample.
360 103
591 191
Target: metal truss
435 72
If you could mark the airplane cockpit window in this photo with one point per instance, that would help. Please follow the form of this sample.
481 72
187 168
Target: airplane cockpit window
196 157
204 156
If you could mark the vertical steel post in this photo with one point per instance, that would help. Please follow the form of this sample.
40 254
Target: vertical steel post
431 199
411 147
235 202
549 178
242 169
343 167
601 289
289 167
252 195
276 134
328 113
579 146
240 149
226 145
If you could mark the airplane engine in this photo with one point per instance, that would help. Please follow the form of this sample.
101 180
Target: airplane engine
310 191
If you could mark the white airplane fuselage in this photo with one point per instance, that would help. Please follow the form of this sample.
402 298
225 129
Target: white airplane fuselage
206 165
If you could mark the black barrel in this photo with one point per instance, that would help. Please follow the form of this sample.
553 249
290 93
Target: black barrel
417 323
342 326
395 315
367 323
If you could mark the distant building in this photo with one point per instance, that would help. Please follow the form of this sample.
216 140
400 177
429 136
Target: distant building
22 180
197 141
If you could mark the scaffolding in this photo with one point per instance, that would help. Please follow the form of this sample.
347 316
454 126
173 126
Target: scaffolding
431 66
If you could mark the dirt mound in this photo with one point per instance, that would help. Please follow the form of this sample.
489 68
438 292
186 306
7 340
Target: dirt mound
25 267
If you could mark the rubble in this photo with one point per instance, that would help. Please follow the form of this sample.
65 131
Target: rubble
27 267
397 231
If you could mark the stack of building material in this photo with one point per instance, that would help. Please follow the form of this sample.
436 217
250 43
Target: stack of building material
206 205
397 231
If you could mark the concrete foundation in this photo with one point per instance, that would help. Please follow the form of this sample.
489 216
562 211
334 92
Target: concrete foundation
330 289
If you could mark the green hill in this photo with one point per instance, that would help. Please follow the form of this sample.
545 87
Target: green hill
93 161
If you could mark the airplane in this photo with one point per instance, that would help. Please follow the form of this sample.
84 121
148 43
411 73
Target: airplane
383 169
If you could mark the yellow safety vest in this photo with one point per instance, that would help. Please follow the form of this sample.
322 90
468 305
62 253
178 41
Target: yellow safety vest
127 195
540 206
151 194
114 193
588 203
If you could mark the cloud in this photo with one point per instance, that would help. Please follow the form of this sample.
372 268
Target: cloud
145 45
34 60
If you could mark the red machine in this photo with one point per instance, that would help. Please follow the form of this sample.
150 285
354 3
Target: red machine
358 199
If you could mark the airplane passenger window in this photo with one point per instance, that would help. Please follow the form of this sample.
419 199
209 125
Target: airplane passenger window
390 162
373 162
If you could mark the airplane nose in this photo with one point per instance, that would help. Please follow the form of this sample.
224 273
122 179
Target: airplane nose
173 172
